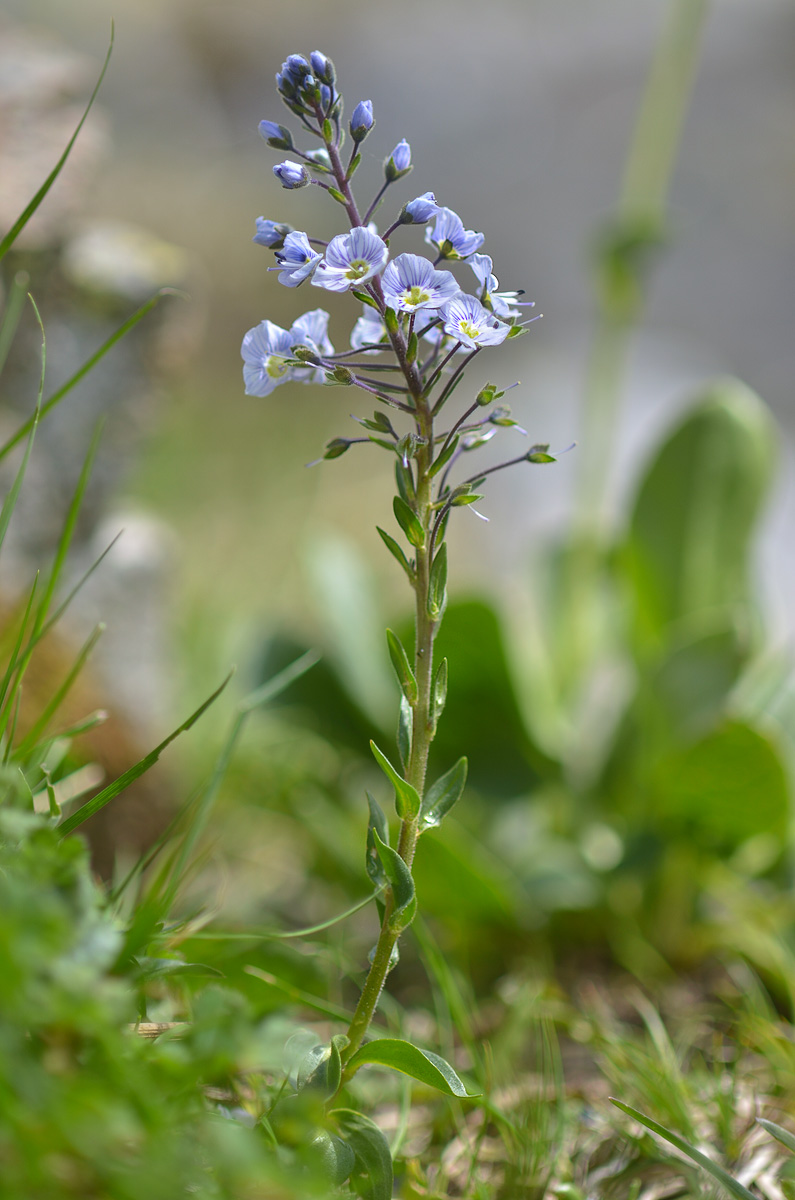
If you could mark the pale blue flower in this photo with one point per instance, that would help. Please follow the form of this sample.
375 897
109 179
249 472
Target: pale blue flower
291 174
271 233
298 260
449 236
399 161
418 211
362 120
351 258
411 282
500 303
311 330
465 319
369 330
265 350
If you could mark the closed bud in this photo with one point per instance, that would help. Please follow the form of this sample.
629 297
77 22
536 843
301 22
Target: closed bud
291 175
399 162
362 120
276 135
323 67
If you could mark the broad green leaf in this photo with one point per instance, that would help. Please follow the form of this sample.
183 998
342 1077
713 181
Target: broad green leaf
726 788
482 712
112 790
717 1172
402 884
407 801
400 661
396 552
336 1159
442 795
422 1065
781 1135
408 521
371 1148
697 504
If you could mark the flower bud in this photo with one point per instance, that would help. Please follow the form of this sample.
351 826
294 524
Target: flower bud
276 135
271 234
399 162
291 175
323 67
362 120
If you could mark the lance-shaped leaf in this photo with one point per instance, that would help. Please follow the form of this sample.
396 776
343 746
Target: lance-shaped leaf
781 1135
400 661
404 479
437 584
442 795
371 1148
399 876
422 1065
377 824
717 1172
405 723
444 457
396 552
407 801
439 692
408 522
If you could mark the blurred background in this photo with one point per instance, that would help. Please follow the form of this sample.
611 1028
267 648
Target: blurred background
519 118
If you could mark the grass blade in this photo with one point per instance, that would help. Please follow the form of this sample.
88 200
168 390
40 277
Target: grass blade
112 790
22 220
33 736
87 366
9 504
781 1135
717 1172
13 311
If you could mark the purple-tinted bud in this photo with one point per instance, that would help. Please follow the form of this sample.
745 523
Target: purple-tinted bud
362 120
322 66
285 85
418 211
276 135
271 234
291 175
399 161
296 66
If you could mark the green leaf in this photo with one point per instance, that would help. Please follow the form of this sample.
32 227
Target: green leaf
377 824
444 457
781 1135
408 522
22 220
439 692
698 502
402 884
37 730
407 801
422 1065
404 732
727 787
335 1158
723 1177
443 794
405 481
371 1148
400 661
437 584
112 790
395 550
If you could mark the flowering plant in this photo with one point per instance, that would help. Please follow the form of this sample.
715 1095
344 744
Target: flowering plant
421 326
